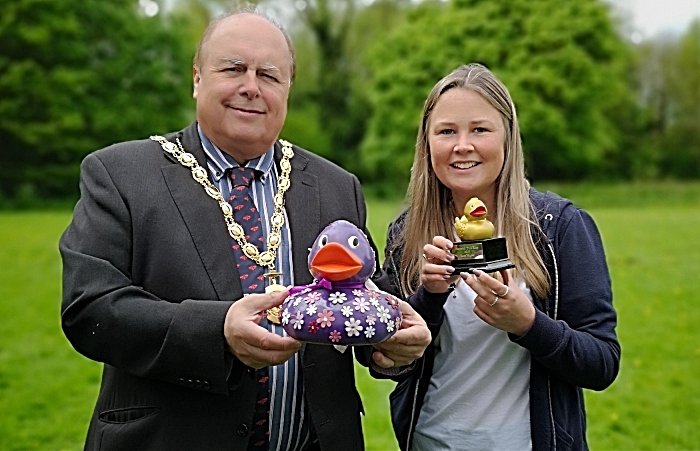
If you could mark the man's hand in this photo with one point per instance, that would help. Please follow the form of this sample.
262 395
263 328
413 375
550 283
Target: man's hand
250 343
407 344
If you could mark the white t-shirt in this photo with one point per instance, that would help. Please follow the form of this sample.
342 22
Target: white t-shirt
478 397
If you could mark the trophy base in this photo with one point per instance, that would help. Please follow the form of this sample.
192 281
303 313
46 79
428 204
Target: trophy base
495 266
488 255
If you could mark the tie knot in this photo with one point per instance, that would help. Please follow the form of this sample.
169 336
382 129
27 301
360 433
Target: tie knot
243 176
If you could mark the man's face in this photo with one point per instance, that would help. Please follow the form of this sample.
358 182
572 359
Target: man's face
242 86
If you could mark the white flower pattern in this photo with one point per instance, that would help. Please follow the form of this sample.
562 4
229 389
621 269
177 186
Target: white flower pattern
337 297
369 332
346 311
372 307
390 326
353 327
383 314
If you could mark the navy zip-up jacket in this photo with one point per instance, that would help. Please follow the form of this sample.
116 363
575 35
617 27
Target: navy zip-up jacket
572 341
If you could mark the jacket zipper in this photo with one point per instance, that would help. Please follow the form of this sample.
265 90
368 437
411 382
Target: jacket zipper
418 379
413 408
556 309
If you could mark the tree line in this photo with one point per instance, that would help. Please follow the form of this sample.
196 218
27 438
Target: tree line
76 76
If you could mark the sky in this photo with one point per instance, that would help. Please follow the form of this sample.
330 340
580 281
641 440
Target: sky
651 17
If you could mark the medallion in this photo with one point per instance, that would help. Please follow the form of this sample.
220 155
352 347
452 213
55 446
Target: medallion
273 314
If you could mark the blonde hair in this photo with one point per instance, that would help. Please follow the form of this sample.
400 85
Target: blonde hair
431 205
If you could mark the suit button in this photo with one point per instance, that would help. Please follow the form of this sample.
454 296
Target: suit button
198 383
190 383
242 430
206 385
181 381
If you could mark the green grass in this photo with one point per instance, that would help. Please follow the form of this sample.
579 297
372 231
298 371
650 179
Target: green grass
47 390
654 256
642 195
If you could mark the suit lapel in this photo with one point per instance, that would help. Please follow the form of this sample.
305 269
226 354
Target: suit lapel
203 218
303 206
205 222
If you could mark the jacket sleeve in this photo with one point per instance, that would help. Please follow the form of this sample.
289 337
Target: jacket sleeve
110 319
580 345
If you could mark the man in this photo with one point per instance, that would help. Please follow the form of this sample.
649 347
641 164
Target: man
154 284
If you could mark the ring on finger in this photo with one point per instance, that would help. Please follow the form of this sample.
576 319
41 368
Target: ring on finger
424 257
504 294
494 301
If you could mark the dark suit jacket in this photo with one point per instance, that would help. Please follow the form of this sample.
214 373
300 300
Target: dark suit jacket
148 276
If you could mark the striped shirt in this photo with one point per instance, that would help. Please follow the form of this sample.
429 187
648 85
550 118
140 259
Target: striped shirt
290 428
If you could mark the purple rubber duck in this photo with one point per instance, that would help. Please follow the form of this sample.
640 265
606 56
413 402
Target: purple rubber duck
337 308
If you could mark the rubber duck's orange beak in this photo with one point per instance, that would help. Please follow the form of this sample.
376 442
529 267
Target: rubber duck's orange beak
334 262
478 211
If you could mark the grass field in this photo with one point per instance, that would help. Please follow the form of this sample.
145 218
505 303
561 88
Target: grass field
47 390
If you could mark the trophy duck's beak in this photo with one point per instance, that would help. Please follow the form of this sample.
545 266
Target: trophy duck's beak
478 211
334 262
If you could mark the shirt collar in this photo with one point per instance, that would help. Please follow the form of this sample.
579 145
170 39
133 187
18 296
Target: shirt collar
219 162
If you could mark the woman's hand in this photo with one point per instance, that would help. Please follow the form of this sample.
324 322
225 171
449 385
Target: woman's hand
436 275
503 306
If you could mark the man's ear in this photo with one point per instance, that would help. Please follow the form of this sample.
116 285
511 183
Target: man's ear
196 78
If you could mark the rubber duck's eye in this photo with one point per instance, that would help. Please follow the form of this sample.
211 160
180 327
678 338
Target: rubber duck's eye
353 241
323 241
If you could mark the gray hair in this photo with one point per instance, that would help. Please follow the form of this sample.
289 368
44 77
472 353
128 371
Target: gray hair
246 8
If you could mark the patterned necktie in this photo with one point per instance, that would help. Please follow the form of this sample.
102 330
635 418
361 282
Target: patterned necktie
252 280
247 216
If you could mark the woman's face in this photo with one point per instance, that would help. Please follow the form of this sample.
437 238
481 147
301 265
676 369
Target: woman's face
466 139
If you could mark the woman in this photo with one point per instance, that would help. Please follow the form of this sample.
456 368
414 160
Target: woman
511 351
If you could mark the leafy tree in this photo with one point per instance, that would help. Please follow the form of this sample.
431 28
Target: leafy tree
331 92
76 76
563 63
681 146
329 23
668 84
653 62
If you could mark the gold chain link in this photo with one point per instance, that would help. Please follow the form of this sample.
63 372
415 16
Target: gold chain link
274 238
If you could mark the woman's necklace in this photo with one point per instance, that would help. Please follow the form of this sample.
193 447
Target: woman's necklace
274 238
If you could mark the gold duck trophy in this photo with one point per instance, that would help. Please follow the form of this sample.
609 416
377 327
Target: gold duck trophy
478 249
